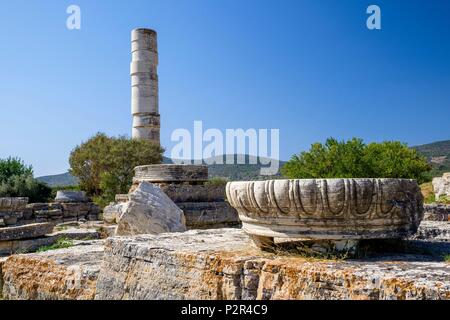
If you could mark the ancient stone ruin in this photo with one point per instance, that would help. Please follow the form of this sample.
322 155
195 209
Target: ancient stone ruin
340 210
144 85
154 257
202 203
441 186
11 210
149 211
26 227
69 206
436 212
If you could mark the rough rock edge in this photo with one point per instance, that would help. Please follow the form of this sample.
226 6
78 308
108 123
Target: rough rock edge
218 264
54 275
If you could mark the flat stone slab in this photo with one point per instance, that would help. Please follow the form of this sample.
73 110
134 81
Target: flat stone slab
194 193
207 215
13 204
214 264
10 247
436 212
171 173
70 196
433 231
223 264
27 231
53 275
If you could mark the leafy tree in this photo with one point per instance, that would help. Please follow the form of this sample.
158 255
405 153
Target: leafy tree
13 167
393 159
354 159
104 165
16 180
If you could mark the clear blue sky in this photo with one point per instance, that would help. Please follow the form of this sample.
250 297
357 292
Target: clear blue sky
310 68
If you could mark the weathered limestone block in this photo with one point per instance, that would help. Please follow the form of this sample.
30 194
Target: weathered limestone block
76 209
49 213
436 212
441 186
10 247
11 210
10 218
26 231
13 204
167 173
194 193
205 215
433 231
27 214
333 209
70 196
223 264
38 206
53 275
62 211
112 212
150 211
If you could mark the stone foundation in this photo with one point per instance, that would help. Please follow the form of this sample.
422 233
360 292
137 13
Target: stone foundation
17 211
220 264
62 212
35 236
223 264
11 210
436 212
53 275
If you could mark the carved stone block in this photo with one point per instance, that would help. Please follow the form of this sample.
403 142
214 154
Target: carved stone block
332 209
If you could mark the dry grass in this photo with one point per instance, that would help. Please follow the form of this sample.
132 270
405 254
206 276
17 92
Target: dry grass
427 192
305 250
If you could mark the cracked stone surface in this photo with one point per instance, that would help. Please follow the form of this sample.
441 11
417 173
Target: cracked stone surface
223 264
61 274
219 264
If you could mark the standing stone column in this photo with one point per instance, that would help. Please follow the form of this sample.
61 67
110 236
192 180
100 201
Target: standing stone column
144 85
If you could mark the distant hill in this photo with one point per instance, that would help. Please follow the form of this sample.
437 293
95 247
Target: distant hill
59 180
438 155
238 172
228 171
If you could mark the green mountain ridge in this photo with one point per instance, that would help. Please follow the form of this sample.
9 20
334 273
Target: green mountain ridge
438 155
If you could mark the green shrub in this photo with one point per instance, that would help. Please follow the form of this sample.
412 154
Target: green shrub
443 200
16 180
104 165
13 167
217 181
431 198
355 159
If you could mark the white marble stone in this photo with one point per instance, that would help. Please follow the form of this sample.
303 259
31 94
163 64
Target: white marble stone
144 85
327 209
441 186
